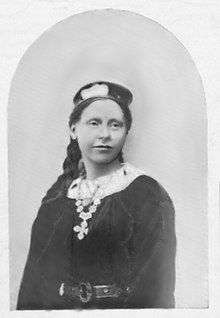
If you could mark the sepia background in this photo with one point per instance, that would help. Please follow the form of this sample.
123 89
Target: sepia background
195 24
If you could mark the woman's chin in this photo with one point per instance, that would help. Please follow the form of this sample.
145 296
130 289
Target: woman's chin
104 159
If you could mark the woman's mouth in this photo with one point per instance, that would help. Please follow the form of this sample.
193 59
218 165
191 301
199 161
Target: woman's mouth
103 147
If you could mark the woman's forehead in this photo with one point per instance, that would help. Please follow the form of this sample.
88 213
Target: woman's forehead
103 108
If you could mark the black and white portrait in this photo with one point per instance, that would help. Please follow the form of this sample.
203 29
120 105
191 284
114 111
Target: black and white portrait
107 168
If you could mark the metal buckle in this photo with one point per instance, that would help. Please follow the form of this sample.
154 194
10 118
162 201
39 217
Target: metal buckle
85 292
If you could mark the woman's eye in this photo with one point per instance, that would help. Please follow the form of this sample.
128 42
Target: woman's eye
93 123
115 125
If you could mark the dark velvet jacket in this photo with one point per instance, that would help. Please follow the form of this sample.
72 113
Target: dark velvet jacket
131 242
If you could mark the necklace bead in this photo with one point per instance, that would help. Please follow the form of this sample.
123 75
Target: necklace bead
80 208
92 208
86 201
83 202
85 216
78 202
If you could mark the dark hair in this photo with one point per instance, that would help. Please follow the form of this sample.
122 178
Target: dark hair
72 166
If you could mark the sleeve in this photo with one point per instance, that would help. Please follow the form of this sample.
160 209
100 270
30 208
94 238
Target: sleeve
32 288
152 249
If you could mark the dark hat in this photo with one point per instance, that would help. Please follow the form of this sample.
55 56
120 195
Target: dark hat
103 90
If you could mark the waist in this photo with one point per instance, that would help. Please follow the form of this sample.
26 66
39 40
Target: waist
85 291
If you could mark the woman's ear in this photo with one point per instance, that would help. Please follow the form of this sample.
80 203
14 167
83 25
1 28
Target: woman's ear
73 132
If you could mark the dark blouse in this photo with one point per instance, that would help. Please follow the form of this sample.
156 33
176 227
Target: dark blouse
131 243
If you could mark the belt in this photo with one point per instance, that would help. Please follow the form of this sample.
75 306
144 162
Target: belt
85 291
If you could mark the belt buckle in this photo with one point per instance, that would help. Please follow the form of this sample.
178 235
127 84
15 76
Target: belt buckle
85 292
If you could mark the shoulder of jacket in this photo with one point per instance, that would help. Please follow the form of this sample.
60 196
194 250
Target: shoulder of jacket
50 210
145 188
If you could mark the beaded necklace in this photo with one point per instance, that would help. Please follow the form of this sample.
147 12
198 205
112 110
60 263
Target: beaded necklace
88 194
90 203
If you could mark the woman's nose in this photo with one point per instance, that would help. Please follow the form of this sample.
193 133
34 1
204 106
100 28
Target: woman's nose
104 132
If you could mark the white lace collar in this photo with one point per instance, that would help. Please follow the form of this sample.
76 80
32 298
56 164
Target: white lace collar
109 184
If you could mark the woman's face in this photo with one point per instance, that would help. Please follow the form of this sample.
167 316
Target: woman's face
101 131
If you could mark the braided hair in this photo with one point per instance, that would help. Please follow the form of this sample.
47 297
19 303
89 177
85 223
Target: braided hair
73 166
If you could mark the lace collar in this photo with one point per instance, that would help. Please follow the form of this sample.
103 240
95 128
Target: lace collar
109 184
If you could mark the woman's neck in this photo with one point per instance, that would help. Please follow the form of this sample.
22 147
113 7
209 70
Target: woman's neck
95 170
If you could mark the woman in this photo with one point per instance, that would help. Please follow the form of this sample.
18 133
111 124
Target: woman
104 235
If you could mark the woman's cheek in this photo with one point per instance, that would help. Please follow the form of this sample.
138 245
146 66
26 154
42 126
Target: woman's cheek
121 137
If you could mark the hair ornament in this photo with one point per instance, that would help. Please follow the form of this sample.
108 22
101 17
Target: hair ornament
95 90
105 90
